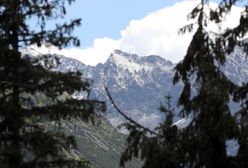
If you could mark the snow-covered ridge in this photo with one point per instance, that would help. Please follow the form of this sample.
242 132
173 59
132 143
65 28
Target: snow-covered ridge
135 63
35 51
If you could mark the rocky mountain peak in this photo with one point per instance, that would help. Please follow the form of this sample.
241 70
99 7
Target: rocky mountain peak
135 63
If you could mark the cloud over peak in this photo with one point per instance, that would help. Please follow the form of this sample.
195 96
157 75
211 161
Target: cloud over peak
155 34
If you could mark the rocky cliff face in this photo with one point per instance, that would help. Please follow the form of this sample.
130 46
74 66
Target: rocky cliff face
138 84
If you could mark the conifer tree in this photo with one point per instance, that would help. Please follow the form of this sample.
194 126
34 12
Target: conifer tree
203 142
24 142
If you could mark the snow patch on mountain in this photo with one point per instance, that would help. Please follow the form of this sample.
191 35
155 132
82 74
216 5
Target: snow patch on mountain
236 67
134 63
128 63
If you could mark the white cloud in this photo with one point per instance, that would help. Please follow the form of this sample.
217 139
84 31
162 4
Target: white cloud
155 34
99 53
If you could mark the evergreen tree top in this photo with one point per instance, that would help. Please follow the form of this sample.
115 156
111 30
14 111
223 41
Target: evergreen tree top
32 94
203 142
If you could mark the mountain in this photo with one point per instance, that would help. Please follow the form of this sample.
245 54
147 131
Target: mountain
139 84
101 144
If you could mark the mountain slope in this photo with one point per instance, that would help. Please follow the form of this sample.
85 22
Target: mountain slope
100 144
138 84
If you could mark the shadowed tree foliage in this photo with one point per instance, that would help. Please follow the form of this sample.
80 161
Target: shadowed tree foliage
31 93
206 95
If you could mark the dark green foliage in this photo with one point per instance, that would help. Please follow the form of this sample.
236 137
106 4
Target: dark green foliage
203 142
24 142
161 149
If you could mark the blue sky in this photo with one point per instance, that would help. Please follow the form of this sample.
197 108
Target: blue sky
105 18
143 27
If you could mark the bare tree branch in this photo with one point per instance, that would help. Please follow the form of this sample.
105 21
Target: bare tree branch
125 116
